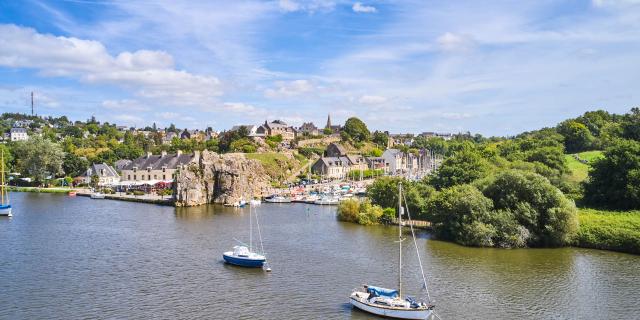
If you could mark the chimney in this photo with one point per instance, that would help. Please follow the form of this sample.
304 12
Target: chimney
149 154
179 153
163 153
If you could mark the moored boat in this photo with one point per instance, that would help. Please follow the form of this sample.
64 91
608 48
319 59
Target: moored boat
390 302
241 256
327 201
278 199
72 193
97 195
5 206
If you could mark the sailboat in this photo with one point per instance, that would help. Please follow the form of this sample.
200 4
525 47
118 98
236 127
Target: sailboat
243 255
5 207
390 302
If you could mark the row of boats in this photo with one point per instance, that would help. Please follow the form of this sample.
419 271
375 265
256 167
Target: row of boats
373 299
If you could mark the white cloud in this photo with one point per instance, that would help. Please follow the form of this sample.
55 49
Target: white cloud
455 115
605 3
372 100
360 8
453 42
285 89
308 5
149 73
124 104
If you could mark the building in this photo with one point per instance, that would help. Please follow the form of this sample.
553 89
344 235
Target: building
253 130
412 164
168 137
445 136
107 175
334 129
120 164
308 128
156 168
332 167
335 150
18 134
279 127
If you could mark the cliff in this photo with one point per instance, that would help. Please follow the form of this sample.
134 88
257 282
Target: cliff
224 179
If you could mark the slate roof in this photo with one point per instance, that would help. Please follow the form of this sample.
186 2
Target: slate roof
102 170
156 162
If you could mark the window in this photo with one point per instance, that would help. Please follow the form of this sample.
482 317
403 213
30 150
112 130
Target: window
135 177
149 177
164 169
148 169
164 177
135 169
155 177
128 177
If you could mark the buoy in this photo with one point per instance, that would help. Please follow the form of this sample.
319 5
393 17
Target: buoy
267 269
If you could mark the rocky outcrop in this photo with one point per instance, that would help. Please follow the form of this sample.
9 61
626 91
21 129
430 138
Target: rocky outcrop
224 179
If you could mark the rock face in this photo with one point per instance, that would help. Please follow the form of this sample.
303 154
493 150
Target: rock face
224 179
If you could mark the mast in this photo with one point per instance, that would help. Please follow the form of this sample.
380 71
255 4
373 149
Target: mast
2 178
250 230
400 239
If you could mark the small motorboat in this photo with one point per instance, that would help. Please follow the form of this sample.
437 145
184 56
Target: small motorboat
255 202
72 193
327 201
277 199
97 195
242 256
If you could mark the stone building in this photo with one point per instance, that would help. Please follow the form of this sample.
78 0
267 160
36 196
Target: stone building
161 167
107 175
18 134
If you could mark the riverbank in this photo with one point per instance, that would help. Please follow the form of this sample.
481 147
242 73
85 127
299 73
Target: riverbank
147 198
42 190
609 230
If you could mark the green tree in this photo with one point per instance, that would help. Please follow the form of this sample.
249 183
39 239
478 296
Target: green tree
549 217
38 158
463 167
74 165
381 139
357 130
577 136
631 125
8 157
614 180
384 192
94 181
461 214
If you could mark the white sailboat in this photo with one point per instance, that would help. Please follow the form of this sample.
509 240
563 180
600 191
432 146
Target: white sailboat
5 206
390 302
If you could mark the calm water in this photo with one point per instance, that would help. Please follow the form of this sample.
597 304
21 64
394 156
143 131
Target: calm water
69 258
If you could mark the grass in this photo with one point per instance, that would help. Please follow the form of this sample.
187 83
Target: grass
609 230
275 164
40 190
579 171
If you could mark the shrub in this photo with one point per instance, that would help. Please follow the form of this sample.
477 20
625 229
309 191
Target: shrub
361 212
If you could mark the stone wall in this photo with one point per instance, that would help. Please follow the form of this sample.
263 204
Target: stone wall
223 179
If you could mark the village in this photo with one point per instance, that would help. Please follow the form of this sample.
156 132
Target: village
308 159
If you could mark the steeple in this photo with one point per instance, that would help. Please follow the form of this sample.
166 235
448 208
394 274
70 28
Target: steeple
328 126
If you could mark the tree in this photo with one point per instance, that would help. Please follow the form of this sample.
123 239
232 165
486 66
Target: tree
549 217
74 165
614 180
381 139
577 136
463 167
631 125
356 130
461 214
94 181
39 158
8 157
327 131
384 192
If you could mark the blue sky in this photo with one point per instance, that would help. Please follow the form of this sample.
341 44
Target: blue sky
496 68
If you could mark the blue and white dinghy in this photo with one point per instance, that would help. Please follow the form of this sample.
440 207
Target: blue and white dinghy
390 302
243 255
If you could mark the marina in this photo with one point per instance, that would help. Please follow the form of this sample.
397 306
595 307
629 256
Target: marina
81 258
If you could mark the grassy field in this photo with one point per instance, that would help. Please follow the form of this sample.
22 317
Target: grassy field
41 190
609 230
579 170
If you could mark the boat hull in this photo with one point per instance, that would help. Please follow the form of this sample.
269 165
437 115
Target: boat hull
5 210
397 313
243 262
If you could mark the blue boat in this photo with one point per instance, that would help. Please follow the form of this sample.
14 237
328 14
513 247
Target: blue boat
5 210
241 256
5 207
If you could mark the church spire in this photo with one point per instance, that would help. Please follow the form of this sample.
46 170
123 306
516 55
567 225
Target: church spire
328 126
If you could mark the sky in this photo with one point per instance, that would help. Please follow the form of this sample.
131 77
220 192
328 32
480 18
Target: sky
488 67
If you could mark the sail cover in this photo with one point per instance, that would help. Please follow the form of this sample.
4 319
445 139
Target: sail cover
384 292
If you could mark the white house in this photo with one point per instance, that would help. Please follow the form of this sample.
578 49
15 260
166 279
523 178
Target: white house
107 175
18 134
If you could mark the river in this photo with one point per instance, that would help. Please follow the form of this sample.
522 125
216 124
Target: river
72 258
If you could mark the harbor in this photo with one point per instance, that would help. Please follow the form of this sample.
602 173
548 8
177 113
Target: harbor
84 258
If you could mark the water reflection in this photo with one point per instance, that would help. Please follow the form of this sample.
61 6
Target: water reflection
83 258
